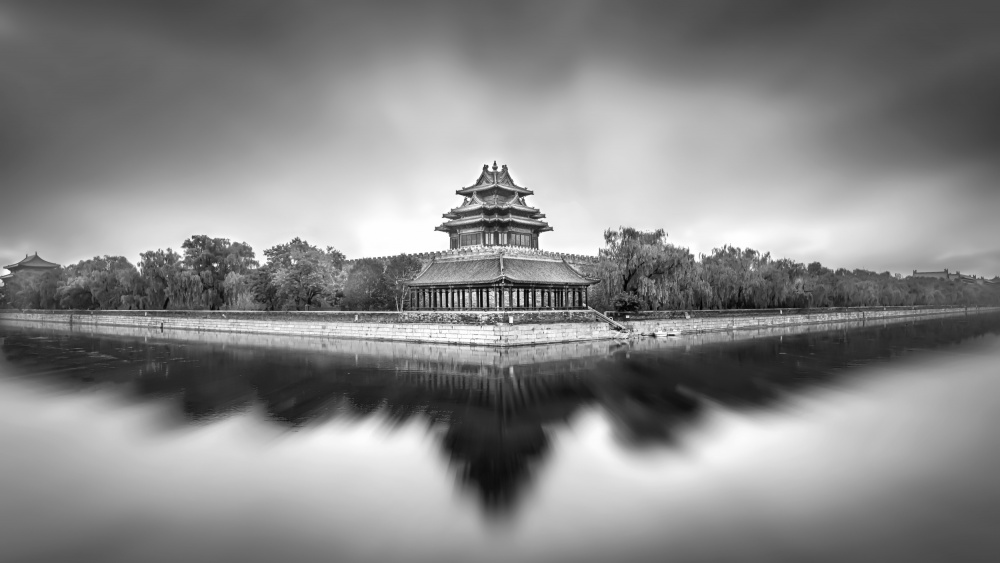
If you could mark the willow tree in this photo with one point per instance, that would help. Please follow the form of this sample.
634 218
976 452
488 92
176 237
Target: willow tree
641 270
213 259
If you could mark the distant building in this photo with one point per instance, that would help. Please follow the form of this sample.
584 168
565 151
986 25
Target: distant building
494 261
942 275
946 275
30 264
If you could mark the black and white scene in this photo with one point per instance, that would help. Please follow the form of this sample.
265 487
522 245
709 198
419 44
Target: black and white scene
480 281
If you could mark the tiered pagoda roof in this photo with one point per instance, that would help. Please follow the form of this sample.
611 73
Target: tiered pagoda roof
494 203
494 261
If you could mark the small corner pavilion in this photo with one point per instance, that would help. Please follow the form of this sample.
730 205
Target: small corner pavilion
29 265
494 261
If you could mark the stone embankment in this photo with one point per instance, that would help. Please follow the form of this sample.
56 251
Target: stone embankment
715 321
467 327
495 328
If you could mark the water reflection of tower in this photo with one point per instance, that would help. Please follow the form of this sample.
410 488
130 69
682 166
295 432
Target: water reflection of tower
497 424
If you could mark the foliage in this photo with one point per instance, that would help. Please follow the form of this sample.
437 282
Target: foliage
160 272
639 266
34 289
399 271
102 282
626 302
367 287
299 276
212 259
640 269
238 294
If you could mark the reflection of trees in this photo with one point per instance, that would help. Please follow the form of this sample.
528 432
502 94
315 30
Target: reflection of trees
496 416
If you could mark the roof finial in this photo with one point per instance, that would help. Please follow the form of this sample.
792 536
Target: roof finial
486 167
494 166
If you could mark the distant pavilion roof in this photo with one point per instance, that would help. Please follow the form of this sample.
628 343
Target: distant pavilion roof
496 268
33 262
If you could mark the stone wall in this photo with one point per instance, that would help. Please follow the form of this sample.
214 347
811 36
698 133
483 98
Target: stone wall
484 329
716 321
475 328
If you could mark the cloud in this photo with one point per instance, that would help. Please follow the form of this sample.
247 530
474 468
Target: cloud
857 134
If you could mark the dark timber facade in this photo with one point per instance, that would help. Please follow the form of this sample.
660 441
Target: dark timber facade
494 261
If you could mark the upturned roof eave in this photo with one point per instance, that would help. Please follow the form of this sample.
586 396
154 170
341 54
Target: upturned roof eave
34 261
472 189
456 210
500 279
484 219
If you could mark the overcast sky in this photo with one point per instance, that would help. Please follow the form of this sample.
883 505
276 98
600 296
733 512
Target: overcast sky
860 134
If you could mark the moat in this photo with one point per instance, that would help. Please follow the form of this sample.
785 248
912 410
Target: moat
845 442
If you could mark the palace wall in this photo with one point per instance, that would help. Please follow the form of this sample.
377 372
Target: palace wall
473 328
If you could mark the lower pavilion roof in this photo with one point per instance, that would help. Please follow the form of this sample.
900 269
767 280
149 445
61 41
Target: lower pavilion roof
496 268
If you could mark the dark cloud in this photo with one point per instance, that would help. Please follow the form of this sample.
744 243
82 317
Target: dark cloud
208 112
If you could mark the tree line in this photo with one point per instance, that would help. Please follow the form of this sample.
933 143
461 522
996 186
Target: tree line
638 270
217 274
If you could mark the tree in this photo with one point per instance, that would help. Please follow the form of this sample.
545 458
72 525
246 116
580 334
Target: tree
34 290
213 259
640 265
367 288
300 276
736 277
399 271
102 282
159 271
262 287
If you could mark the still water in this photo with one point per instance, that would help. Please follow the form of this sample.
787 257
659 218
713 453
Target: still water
824 443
